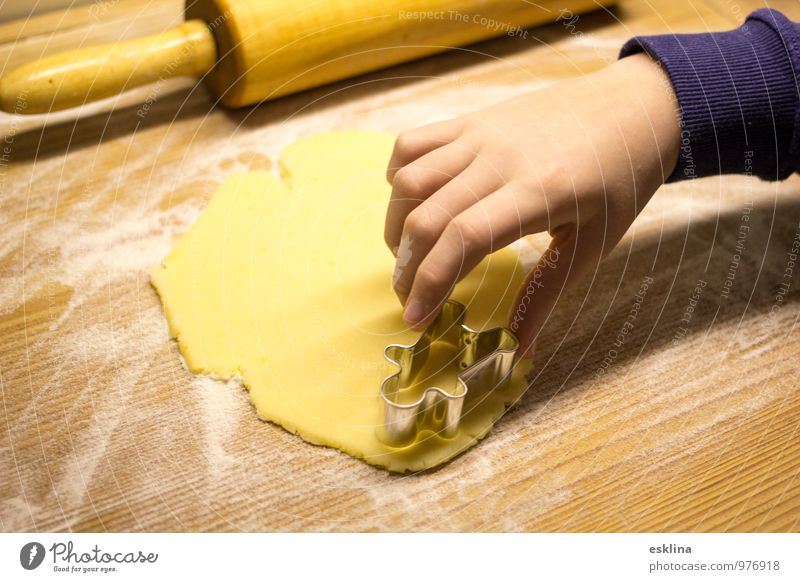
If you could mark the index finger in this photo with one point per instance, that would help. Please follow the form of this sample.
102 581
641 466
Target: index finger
414 144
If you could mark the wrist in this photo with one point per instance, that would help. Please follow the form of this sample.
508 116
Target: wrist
649 92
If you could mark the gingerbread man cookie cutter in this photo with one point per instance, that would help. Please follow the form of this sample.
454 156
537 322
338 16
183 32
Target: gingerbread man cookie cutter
485 360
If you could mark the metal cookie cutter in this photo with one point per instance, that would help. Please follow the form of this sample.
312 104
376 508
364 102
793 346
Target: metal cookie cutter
485 359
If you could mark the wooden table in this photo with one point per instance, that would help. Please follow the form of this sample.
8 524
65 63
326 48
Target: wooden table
687 426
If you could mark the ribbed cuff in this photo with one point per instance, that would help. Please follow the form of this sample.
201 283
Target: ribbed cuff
738 96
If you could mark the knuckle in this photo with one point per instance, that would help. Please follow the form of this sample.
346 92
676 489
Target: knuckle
467 233
404 145
556 192
427 278
420 225
408 181
555 181
528 185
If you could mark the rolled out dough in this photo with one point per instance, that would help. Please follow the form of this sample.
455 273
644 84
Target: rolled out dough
287 284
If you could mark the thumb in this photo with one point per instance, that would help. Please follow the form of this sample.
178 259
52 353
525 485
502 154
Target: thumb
573 252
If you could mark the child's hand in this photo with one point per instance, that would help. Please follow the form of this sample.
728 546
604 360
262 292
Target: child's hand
579 159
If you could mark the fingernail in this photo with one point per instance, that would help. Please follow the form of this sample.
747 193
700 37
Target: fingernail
394 251
414 313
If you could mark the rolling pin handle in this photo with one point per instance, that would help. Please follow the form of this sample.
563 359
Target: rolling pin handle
76 77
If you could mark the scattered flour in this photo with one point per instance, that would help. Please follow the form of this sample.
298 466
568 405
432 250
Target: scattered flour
99 249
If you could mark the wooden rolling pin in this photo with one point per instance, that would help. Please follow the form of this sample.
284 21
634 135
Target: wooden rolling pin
253 50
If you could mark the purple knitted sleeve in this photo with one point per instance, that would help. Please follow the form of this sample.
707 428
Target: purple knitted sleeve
739 96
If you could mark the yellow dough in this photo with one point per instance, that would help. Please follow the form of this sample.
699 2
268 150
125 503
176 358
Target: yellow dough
287 284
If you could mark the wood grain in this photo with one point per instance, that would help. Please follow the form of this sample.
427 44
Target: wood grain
80 16
104 430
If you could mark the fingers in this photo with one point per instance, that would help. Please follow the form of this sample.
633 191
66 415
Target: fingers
417 181
573 254
414 144
425 224
490 224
